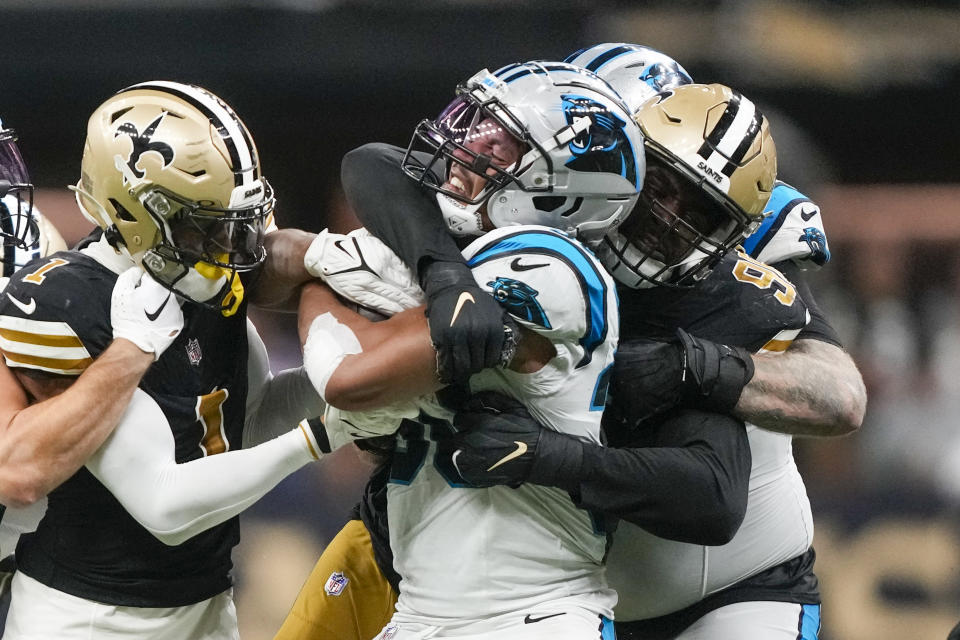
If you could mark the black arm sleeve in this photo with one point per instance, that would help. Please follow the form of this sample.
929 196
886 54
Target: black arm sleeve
819 328
689 485
393 208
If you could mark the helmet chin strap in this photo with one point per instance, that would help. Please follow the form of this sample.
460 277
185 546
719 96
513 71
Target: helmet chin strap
220 276
462 220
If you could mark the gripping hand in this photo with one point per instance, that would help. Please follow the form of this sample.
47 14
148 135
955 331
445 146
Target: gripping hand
650 377
469 329
499 443
362 269
145 312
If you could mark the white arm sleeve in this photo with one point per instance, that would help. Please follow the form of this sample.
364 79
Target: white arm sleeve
275 404
177 501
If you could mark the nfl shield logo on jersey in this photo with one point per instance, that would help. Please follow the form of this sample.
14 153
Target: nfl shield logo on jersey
388 632
336 583
193 351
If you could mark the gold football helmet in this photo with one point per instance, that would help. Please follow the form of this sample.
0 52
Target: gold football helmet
711 165
172 176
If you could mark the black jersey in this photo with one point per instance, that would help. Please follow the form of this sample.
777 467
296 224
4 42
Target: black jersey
742 303
56 318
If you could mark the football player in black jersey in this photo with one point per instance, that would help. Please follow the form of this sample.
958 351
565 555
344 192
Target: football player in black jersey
44 443
139 542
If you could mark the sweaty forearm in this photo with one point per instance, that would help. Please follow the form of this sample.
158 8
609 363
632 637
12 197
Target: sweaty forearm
690 486
277 283
47 441
812 389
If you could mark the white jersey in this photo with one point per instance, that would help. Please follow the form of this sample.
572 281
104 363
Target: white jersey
469 554
778 526
793 230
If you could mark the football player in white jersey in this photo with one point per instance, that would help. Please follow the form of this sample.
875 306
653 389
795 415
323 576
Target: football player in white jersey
760 585
530 144
172 177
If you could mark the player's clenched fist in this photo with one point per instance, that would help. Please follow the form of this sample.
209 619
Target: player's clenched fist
144 312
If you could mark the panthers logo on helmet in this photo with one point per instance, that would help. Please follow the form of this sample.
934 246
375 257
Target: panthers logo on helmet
520 299
143 143
819 253
604 145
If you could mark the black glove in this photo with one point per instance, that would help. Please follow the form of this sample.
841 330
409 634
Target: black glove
382 446
499 443
650 377
469 329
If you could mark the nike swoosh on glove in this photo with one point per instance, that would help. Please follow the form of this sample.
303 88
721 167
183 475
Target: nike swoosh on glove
499 443
359 267
145 312
469 329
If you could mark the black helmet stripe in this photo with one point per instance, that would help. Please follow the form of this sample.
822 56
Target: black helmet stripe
734 133
234 134
607 56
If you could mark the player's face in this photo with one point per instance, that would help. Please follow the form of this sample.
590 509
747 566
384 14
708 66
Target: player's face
489 139
671 216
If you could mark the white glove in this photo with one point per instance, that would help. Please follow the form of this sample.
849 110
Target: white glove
344 427
362 269
144 312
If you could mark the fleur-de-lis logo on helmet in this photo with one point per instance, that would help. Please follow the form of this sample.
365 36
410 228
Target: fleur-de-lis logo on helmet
144 143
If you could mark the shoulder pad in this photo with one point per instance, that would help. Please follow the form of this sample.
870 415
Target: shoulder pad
547 281
792 230
55 315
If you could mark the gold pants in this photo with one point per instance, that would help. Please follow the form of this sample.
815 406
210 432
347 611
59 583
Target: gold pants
329 608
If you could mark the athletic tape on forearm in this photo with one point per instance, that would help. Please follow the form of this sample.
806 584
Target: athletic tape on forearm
328 343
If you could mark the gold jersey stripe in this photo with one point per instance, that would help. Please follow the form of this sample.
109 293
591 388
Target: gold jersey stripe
53 365
777 345
780 342
42 327
46 340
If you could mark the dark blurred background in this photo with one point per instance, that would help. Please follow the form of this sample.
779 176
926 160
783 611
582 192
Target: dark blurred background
863 98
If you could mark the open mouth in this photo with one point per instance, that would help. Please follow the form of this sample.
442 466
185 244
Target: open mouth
456 185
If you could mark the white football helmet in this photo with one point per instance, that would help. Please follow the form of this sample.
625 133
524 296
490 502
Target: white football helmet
711 166
539 142
172 176
636 72
17 227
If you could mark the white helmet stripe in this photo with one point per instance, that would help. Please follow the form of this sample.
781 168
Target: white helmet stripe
733 134
239 145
